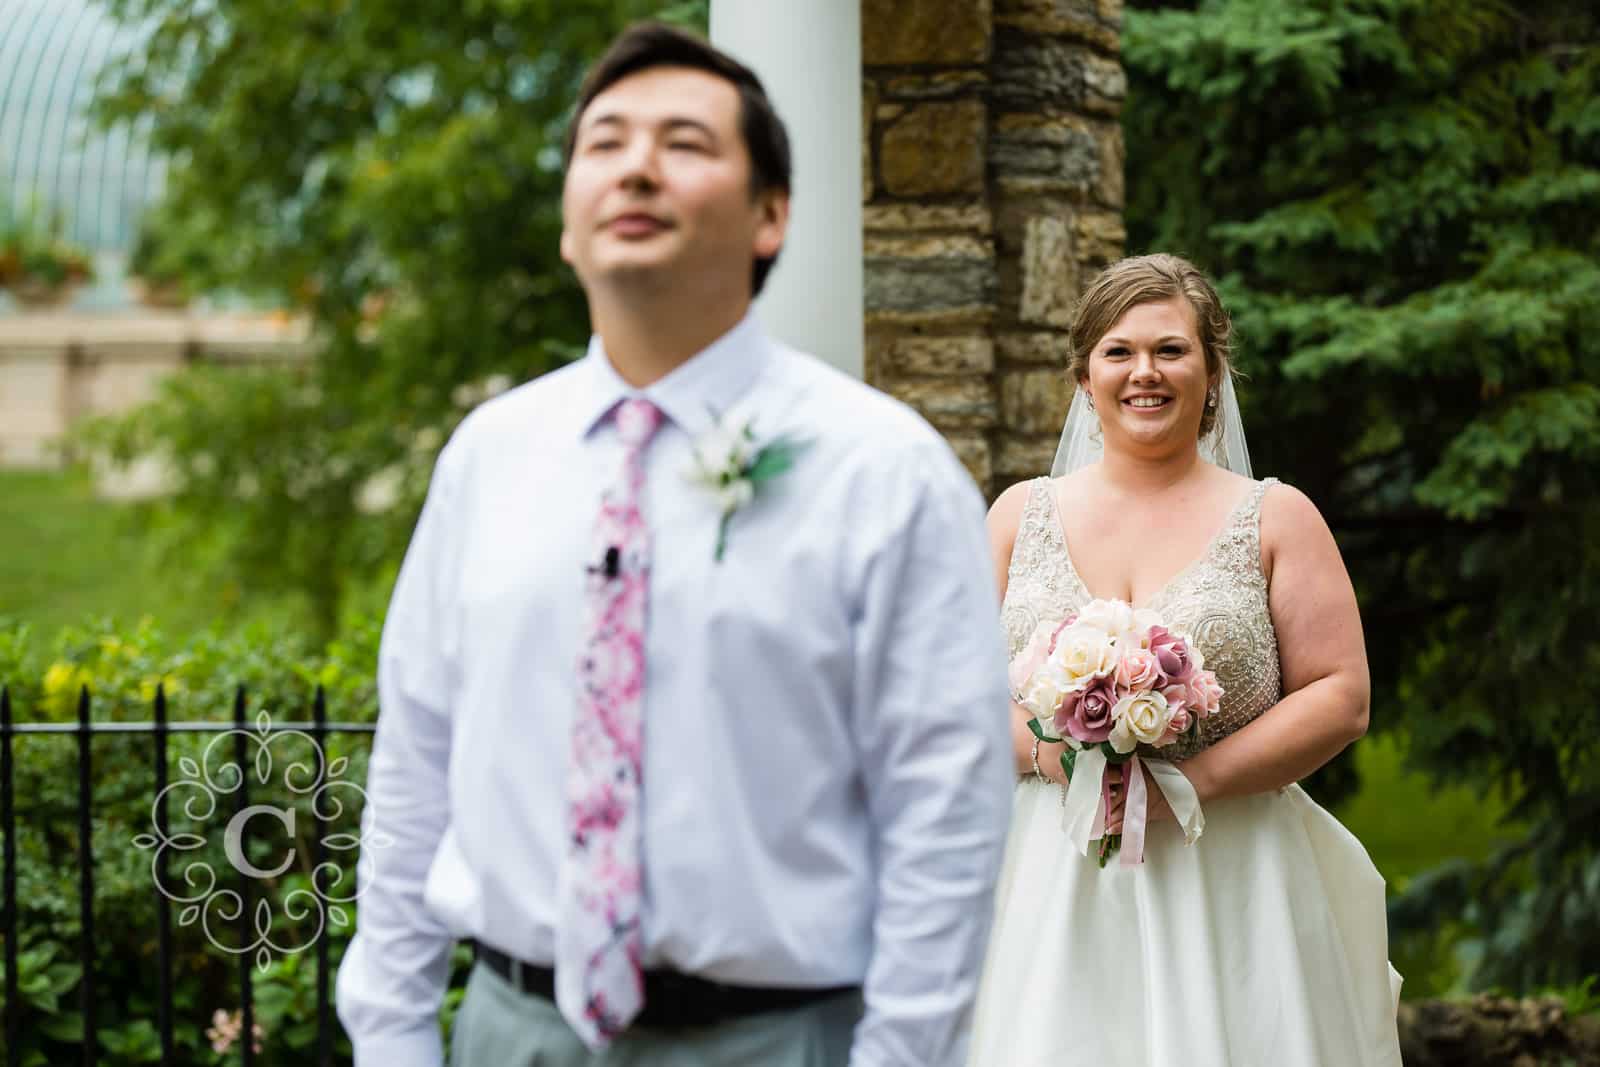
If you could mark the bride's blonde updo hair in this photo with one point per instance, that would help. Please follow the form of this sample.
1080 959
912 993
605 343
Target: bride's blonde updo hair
1148 280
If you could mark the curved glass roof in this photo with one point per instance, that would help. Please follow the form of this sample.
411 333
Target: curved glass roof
53 159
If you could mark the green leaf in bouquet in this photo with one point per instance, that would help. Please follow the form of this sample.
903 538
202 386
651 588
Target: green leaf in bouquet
1069 759
1038 731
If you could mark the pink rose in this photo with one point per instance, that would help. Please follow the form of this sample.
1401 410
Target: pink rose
1172 653
1066 622
1086 716
1032 654
1205 695
1178 700
1139 670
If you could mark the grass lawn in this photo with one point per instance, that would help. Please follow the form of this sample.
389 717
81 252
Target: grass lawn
68 557
1409 823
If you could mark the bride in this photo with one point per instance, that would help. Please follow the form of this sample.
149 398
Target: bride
1264 941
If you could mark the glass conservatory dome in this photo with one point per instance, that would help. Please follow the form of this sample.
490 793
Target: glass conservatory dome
53 159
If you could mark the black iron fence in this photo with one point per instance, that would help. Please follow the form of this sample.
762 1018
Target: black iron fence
159 730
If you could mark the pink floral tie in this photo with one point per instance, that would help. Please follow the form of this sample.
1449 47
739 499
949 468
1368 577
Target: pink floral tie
599 944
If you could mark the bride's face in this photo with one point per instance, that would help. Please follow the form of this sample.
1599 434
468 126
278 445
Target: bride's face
1148 378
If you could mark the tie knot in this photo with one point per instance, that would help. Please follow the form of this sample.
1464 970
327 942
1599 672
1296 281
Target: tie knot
637 420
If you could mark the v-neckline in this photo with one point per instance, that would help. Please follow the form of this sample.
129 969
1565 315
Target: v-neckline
1211 545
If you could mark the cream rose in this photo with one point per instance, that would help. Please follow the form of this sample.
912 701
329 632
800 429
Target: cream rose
1084 653
1128 626
1141 719
1043 692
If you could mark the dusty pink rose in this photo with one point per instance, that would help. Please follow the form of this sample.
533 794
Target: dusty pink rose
1205 695
1086 716
1172 653
1138 670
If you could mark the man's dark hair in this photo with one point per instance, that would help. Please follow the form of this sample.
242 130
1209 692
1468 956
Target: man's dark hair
656 44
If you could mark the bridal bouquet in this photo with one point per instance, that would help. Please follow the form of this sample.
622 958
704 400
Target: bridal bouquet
1105 681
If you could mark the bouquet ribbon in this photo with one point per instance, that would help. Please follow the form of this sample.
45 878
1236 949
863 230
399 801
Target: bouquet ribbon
1083 816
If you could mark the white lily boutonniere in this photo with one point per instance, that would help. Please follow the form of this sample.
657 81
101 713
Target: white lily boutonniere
729 463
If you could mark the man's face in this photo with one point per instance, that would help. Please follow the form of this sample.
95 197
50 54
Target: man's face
658 188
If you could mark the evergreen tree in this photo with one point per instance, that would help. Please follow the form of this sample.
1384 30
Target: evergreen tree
1402 201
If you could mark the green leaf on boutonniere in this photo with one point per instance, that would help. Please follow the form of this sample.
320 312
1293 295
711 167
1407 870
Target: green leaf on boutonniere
773 459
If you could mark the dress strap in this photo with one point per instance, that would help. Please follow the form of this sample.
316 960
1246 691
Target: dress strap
1033 524
1250 522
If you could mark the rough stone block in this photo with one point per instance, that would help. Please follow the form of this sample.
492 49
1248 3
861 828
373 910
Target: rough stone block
935 149
929 274
1100 237
1037 73
1049 272
950 403
1032 153
940 356
1034 401
1080 20
944 85
902 218
935 32
1105 85
1045 348
972 449
1016 457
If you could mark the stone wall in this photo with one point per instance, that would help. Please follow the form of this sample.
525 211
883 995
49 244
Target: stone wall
56 369
993 191
1490 1031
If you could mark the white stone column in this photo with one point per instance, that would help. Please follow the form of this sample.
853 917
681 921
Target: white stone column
808 55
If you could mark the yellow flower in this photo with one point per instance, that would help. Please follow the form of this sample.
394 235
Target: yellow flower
61 684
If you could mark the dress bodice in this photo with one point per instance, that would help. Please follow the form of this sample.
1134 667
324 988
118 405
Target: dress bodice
1219 601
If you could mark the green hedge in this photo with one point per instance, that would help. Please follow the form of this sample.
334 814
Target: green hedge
280 674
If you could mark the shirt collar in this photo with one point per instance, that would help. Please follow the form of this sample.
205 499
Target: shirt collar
692 394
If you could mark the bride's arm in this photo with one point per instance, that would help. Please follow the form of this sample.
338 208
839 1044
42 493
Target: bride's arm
1004 518
1323 655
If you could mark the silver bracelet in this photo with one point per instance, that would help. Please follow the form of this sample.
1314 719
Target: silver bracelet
1036 771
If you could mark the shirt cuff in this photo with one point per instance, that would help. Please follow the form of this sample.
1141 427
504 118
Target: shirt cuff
421 1047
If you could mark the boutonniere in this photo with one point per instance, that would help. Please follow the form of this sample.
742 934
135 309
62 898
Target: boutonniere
729 463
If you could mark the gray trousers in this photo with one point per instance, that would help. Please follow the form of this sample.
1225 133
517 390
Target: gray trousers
498 1025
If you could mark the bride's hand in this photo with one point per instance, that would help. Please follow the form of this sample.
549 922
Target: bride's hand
1156 807
1050 761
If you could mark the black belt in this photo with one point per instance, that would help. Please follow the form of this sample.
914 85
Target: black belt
672 1000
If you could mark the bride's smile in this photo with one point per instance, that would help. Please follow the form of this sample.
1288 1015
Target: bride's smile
1148 375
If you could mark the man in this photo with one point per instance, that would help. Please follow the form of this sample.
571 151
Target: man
721 776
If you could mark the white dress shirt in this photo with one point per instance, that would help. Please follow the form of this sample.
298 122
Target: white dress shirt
827 768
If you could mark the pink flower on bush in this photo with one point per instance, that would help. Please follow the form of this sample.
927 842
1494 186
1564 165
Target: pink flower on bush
1086 716
225 1027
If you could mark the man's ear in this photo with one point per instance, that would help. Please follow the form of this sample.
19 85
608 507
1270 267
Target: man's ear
773 206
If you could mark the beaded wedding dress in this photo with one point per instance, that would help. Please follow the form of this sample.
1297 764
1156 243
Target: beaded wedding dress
1263 944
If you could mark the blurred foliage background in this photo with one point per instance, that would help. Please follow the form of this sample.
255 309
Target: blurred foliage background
1401 201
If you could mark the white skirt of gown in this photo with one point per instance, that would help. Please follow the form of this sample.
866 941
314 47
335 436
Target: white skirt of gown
1263 944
